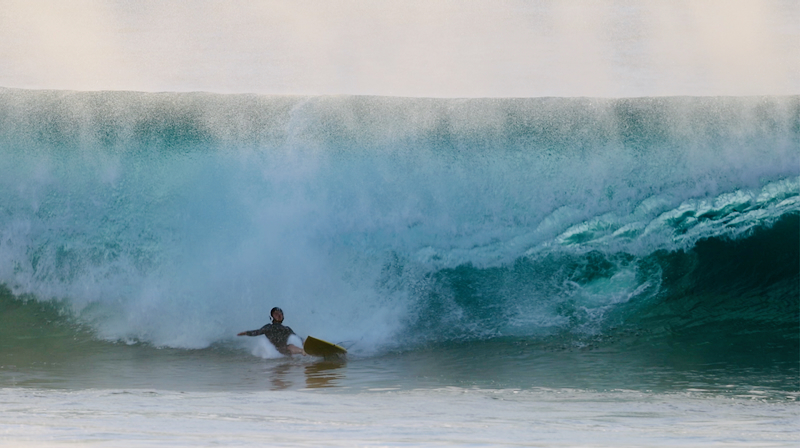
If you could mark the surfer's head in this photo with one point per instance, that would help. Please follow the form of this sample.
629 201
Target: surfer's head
276 314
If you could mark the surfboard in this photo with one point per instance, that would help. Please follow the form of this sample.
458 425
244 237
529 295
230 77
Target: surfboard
318 347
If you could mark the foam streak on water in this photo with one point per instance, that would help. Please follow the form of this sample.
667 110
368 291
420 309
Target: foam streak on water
462 417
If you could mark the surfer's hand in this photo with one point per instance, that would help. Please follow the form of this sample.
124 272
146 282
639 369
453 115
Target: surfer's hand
242 333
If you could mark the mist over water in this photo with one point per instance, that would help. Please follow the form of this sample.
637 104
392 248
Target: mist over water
508 48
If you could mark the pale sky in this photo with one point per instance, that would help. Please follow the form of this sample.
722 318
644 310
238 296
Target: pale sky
416 48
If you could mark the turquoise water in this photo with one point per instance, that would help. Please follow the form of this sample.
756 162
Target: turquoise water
625 254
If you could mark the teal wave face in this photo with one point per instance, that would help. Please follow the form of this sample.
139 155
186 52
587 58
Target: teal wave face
181 219
720 287
749 285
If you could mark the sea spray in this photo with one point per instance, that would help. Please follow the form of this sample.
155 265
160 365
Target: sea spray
180 219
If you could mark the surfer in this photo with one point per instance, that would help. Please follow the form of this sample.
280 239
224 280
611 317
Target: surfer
277 333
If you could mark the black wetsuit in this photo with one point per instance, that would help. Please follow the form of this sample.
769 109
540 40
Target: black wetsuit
277 333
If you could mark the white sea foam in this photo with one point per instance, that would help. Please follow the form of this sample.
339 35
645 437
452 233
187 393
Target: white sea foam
437 417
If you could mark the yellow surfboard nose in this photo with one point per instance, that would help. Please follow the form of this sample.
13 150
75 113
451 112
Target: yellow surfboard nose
318 347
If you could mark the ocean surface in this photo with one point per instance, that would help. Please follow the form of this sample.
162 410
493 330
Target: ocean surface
503 272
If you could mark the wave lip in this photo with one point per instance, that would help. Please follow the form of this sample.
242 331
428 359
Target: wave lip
727 214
